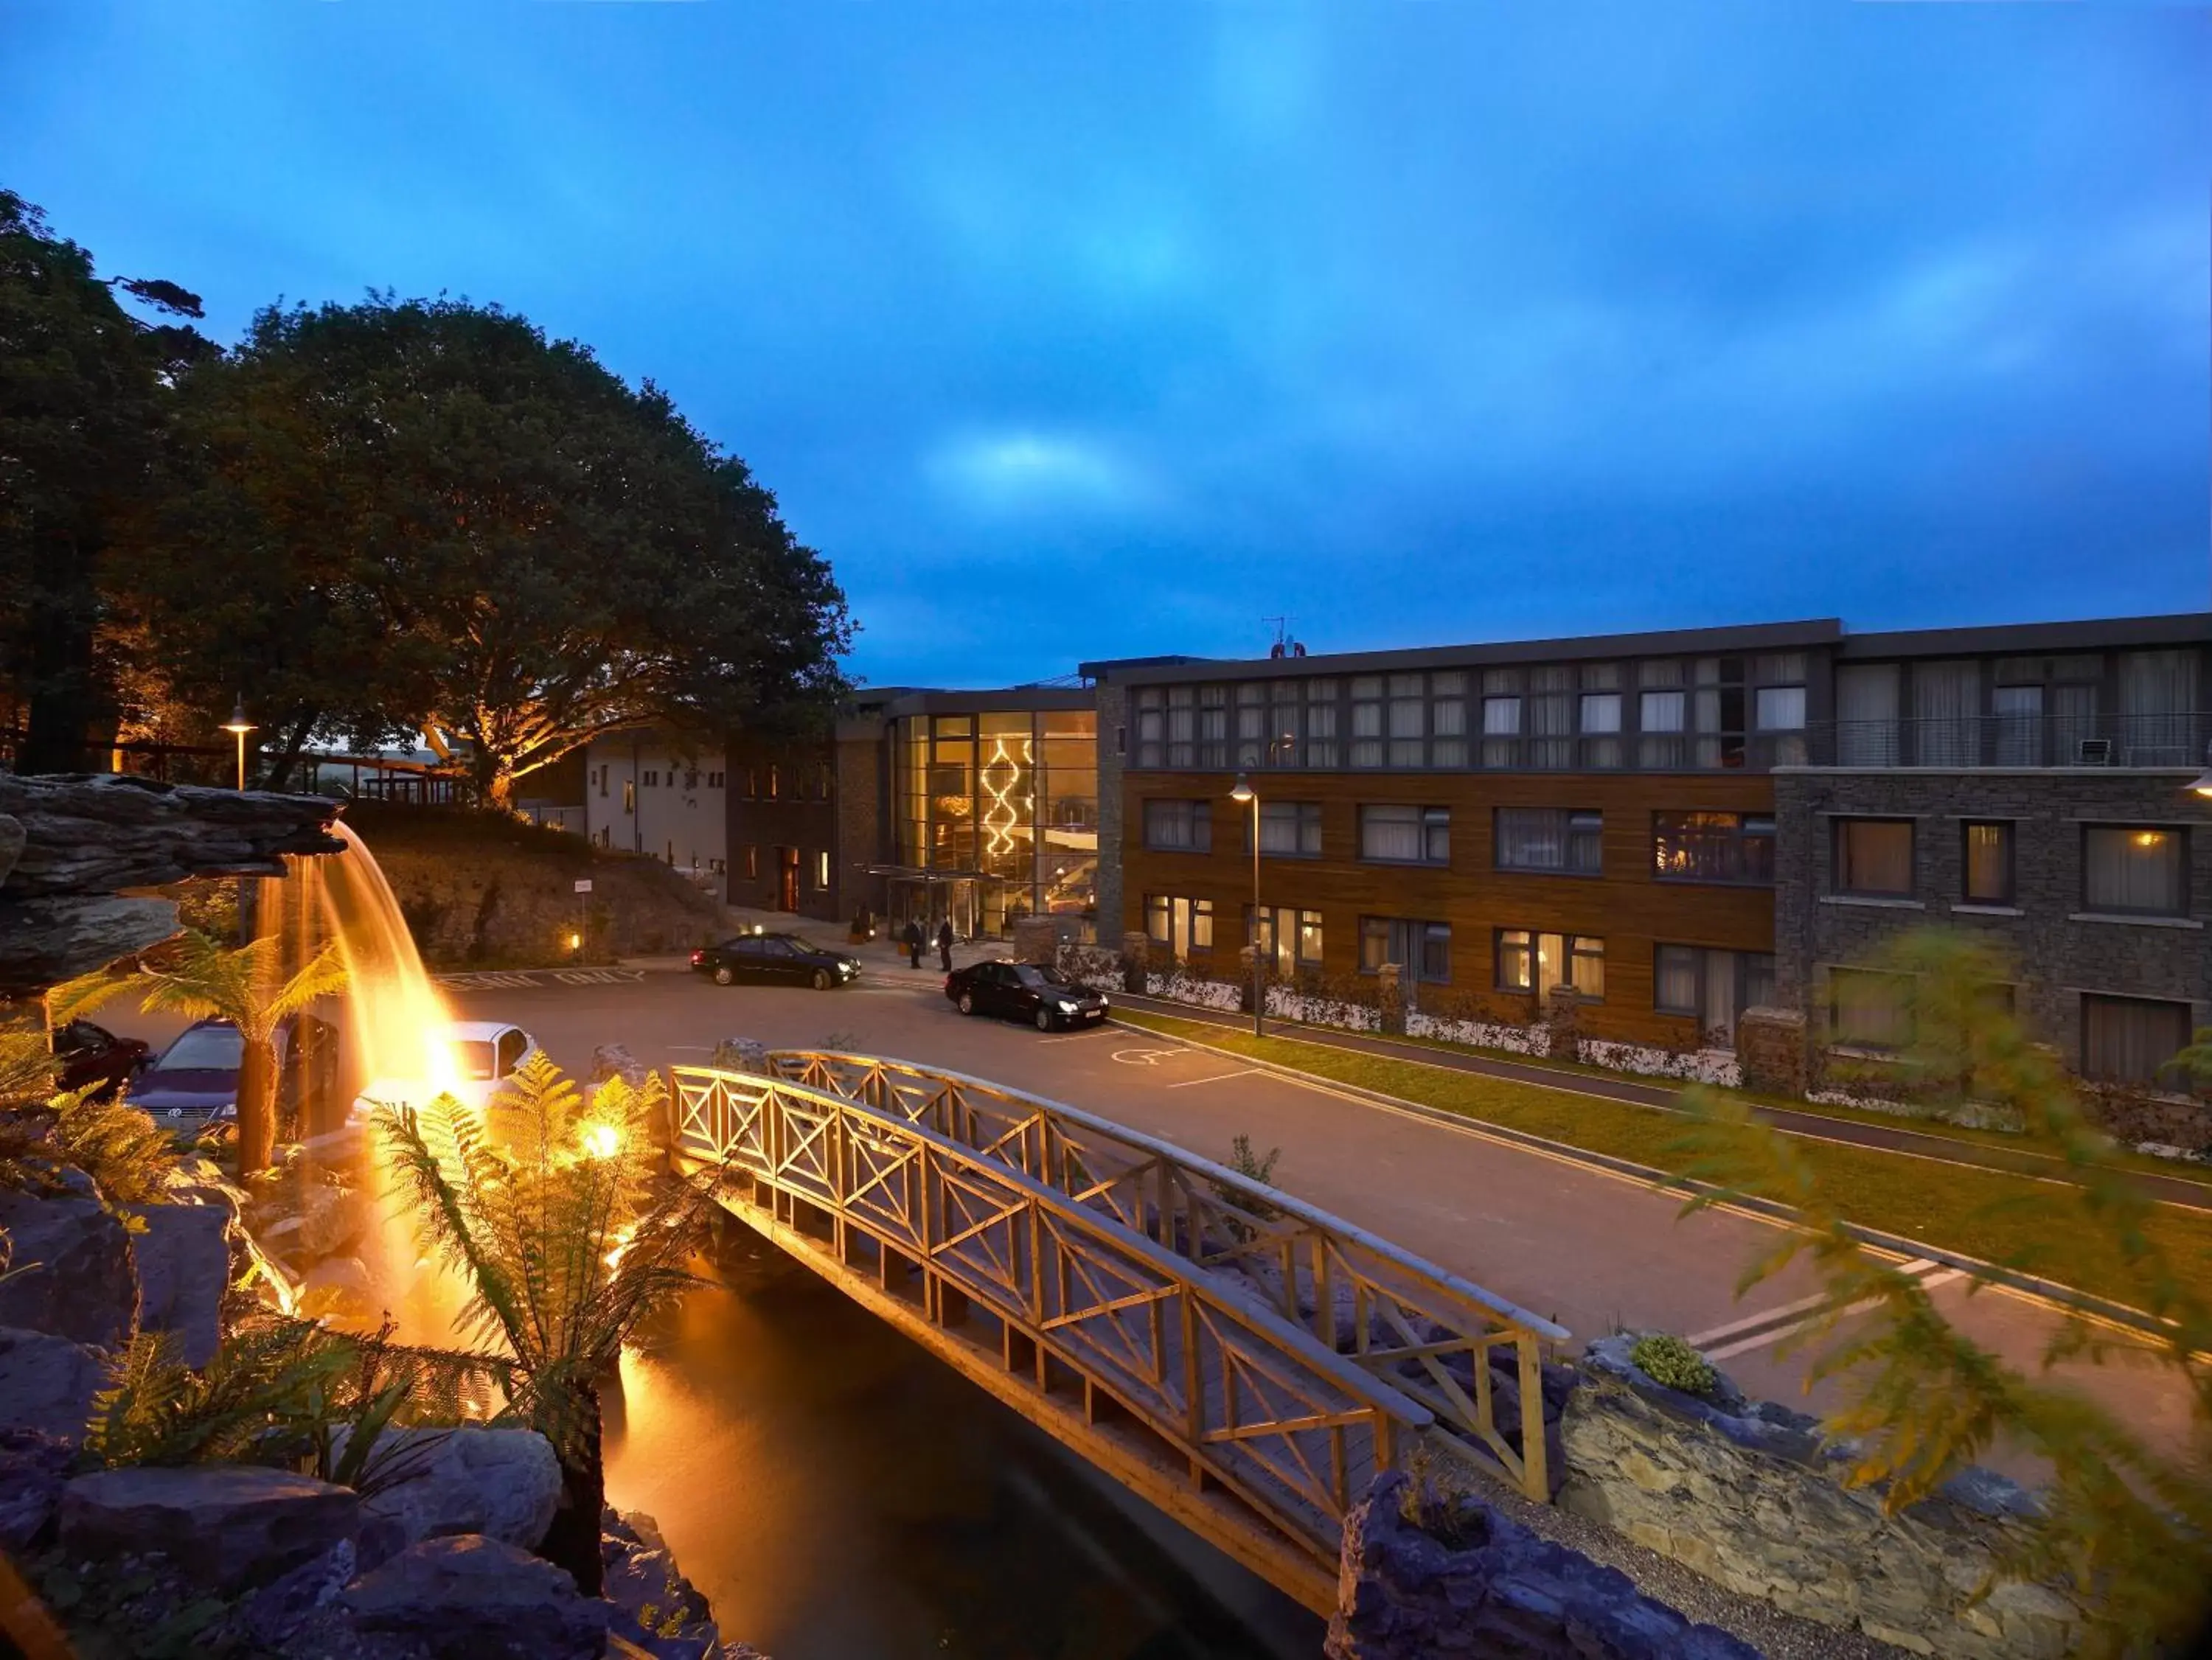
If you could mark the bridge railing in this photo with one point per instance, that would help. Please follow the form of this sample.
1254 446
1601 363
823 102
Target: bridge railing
1422 1328
1293 1428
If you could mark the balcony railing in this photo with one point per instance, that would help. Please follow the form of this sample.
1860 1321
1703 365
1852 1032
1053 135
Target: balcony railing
1975 741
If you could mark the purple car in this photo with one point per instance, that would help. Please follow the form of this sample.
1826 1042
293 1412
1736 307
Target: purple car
194 1082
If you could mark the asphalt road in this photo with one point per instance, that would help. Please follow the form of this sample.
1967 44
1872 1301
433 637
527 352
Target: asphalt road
1592 1250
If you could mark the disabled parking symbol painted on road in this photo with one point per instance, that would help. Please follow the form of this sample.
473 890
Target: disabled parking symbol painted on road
1144 1057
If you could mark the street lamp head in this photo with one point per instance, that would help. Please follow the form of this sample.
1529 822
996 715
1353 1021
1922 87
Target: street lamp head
238 722
1242 792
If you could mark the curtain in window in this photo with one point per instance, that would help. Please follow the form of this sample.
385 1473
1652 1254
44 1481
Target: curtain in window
2129 1039
1873 855
1946 698
1869 1010
1390 833
1532 839
1550 717
1865 715
2019 723
1586 965
2158 695
1674 985
2132 870
1514 969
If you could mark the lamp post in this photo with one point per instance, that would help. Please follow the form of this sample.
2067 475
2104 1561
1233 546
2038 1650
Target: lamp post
1245 795
239 726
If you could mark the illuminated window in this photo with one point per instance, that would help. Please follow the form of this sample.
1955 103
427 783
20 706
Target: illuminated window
629 797
821 872
2134 868
1529 961
1988 864
1713 847
1874 857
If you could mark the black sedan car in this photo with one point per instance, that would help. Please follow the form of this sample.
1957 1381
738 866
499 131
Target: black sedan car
1024 992
94 1060
774 959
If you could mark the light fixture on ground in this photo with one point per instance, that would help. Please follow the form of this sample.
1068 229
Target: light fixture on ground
238 726
2202 786
1245 796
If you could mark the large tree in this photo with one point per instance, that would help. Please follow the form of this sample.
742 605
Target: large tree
83 392
424 512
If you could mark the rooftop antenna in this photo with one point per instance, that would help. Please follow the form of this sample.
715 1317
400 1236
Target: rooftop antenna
1284 646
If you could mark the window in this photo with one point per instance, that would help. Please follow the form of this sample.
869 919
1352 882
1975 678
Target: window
1781 708
1288 829
1718 707
752 864
1711 985
774 781
1367 720
1531 961
1182 924
1600 715
1869 1010
629 797
1179 827
651 780
1501 731
1421 950
1731 847
1874 857
1448 719
2133 869
602 780
752 784
1289 938
822 871
1322 749
1406 835
1213 726
1550 839
1182 726
1987 863
1151 726
1408 719
2130 1039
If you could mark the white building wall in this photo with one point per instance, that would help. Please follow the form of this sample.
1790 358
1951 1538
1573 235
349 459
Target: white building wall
645 794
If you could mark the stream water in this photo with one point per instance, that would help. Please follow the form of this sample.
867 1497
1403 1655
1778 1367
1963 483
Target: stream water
838 1495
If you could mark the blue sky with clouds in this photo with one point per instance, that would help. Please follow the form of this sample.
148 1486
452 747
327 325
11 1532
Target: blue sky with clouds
1080 328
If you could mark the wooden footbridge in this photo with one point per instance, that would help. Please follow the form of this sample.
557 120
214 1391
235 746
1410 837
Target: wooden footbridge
1243 1361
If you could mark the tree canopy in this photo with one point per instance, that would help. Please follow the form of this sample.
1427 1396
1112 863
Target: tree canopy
395 516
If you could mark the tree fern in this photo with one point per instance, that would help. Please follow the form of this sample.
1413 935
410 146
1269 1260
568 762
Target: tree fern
2127 1524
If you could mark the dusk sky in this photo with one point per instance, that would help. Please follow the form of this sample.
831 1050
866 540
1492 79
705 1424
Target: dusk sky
1073 329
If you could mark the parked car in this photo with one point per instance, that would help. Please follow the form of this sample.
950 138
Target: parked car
775 959
484 1054
194 1083
1024 992
94 1060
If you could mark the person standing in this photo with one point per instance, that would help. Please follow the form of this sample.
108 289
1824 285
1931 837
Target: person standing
945 944
913 939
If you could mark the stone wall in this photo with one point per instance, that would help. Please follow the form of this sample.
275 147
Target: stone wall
2047 928
1748 1494
1484 1588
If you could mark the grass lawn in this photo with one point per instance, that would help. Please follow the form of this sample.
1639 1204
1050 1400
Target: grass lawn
2016 1143
1991 1214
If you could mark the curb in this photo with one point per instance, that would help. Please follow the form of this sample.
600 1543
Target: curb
2027 1285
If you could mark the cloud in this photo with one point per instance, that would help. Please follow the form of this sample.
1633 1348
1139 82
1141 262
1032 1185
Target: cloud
1015 474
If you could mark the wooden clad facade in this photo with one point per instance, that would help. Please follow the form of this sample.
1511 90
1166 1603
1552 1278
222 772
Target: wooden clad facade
1625 904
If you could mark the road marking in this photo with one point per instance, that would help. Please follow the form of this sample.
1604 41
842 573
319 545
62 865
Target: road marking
1222 1077
1929 1273
1144 1057
1076 1037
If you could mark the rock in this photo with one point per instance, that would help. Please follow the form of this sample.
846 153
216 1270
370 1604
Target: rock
74 1277
234 1526
614 1060
184 1258
34 1467
46 1383
502 1483
1497 1592
78 839
467 1597
275 1614
658 1608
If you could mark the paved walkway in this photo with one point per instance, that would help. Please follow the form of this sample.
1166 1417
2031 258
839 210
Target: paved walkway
2171 1190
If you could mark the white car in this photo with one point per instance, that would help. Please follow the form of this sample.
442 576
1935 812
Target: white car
477 1055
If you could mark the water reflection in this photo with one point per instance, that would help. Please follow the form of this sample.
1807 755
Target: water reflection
841 1496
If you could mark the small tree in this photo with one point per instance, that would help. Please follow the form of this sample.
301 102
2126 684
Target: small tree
552 1211
202 978
2127 1524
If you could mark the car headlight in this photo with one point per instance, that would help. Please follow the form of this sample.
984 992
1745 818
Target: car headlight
1066 1006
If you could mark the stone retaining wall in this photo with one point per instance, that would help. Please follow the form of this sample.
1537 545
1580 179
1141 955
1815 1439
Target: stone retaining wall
1748 1494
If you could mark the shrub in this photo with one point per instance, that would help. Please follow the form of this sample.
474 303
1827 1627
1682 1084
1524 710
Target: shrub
1668 1360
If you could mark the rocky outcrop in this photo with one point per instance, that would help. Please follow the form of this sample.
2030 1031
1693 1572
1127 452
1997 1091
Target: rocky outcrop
232 1525
1493 1591
471 1598
1749 1494
71 1270
70 843
46 1383
184 1258
656 1607
34 1470
503 1483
